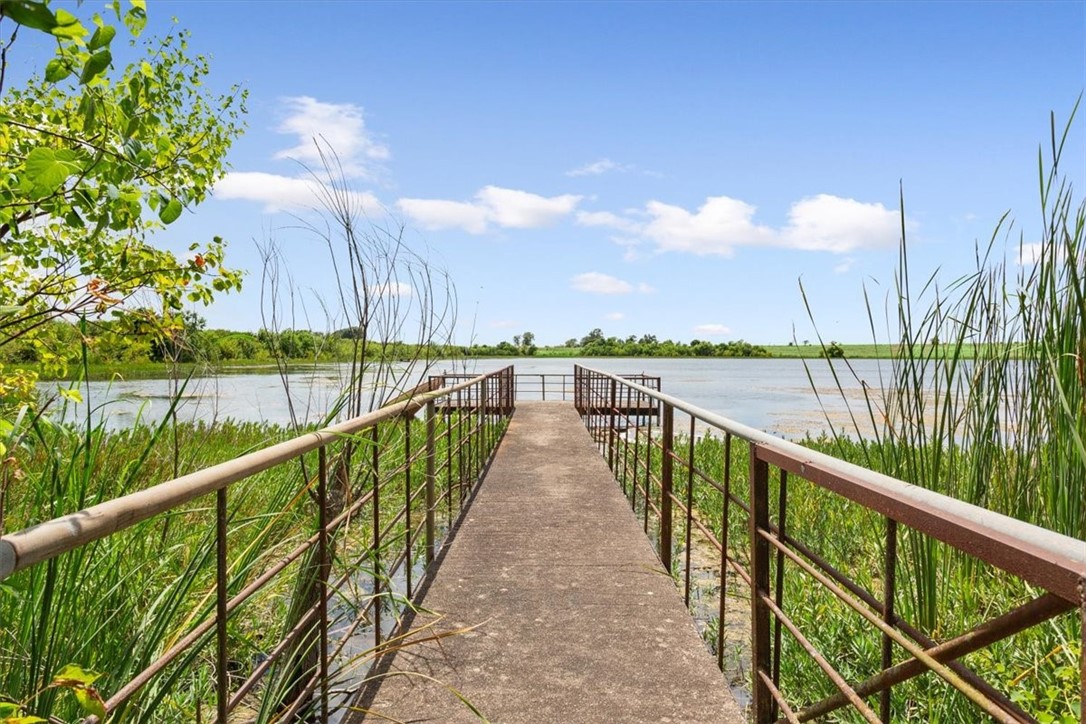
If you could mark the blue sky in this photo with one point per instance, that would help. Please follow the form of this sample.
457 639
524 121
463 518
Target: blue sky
662 168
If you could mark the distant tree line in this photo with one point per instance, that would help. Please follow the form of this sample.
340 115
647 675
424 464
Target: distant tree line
187 339
594 344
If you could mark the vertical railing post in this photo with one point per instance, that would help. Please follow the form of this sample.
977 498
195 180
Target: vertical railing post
221 572
666 481
448 459
763 706
611 427
323 573
409 548
888 588
725 519
431 454
375 461
690 511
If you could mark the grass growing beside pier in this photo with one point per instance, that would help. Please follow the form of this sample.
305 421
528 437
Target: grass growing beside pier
984 401
113 606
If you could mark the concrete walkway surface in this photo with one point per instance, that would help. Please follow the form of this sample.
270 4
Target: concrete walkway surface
574 618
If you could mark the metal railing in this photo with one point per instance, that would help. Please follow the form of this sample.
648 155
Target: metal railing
764 551
552 386
382 500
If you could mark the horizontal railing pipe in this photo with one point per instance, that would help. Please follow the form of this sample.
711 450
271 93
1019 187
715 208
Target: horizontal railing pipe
615 412
47 540
1042 557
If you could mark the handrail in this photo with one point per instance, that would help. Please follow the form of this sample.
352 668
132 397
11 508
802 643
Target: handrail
51 538
1062 559
613 410
457 454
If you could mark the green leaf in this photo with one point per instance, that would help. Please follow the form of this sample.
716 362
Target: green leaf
28 719
47 169
95 65
102 37
68 25
170 212
57 70
74 674
136 18
9 708
89 109
34 15
91 701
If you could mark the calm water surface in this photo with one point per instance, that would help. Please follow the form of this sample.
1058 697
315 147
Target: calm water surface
770 394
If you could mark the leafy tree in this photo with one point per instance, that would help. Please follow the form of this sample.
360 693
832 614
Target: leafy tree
95 161
596 335
527 345
833 351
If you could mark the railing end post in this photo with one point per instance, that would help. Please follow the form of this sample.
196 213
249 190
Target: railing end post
8 559
666 484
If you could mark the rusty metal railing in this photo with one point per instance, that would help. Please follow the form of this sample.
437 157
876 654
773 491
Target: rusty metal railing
393 499
663 480
552 386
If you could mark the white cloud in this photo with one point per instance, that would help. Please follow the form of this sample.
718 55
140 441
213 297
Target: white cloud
280 192
718 226
341 125
435 214
712 330
597 168
1030 254
502 324
614 316
507 208
393 289
831 223
723 224
522 210
845 266
608 220
596 283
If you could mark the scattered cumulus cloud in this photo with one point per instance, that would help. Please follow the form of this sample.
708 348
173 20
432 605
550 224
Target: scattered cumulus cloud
492 205
723 224
502 324
597 283
1030 254
435 214
598 168
393 289
340 128
614 316
712 330
279 193
831 223
608 220
341 125
717 227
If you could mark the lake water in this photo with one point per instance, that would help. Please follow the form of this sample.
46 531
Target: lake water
775 395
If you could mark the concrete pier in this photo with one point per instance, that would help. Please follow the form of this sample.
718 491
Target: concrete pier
564 612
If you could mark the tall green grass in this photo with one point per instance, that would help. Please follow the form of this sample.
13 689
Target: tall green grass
114 606
983 399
